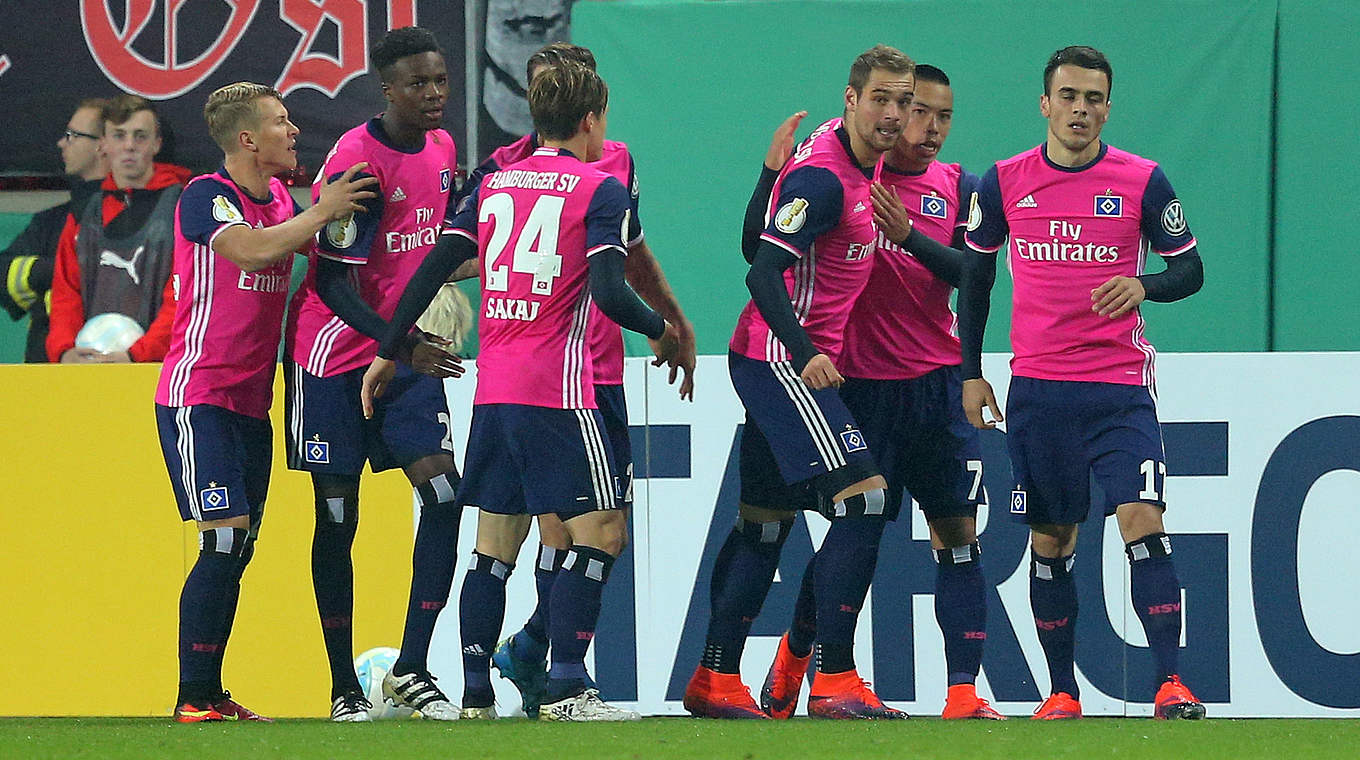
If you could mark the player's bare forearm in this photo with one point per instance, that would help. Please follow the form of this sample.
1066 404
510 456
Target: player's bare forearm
253 249
644 276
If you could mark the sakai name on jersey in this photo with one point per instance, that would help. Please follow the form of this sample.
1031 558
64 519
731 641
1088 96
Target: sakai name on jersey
1058 249
511 308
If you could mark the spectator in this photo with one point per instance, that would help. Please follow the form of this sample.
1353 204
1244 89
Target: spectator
27 263
115 253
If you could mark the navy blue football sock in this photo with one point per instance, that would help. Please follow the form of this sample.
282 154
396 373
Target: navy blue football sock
532 640
337 519
203 606
1053 598
742 575
803 630
961 610
1156 594
233 596
481 613
844 569
575 613
432 567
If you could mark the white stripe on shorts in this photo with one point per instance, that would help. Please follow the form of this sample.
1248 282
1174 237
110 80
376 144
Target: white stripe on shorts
823 437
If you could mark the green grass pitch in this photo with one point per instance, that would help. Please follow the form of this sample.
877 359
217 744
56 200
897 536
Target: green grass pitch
661 738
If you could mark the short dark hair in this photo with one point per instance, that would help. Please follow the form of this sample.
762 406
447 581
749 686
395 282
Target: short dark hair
561 96
927 73
1078 55
878 57
122 107
556 53
399 43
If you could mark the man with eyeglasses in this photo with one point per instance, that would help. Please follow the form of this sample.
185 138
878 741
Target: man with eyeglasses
116 249
26 265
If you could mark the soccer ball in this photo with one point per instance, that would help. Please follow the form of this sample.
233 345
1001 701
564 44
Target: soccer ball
110 331
371 667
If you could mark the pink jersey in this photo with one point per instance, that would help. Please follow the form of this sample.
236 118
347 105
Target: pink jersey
606 337
820 212
225 339
1070 230
384 245
537 222
902 326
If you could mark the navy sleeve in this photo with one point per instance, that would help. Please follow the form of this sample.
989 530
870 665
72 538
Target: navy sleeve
205 207
460 199
1163 219
754 222
616 300
446 255
349 241
968 184
634 221
297 208
607 217
810 200
765 280
987 228
464 222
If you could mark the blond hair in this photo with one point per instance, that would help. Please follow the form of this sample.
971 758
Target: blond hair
232 108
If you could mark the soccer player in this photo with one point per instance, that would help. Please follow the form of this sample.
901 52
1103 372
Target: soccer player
813 260
338 315
235 234
1078 214
901 366
548 232
522 658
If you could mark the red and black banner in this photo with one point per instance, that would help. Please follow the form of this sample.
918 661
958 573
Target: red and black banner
54 53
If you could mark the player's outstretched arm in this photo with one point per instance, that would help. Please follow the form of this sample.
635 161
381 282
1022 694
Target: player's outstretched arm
336 290
254 249
644 275
447 254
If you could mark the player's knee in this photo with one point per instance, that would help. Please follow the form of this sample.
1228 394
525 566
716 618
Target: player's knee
603 530
552 532
954 532
753 513
1138 520
1053 540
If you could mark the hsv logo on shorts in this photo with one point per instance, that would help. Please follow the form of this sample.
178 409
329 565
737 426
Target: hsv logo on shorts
1109 205
214 497
853 440
934 205
1018 506
317 451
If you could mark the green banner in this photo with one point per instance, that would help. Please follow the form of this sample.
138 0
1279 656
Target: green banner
696 88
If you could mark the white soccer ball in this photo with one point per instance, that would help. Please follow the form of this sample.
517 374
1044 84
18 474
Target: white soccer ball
371 667
110 331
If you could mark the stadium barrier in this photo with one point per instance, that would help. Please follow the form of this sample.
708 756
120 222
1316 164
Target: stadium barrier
1263 454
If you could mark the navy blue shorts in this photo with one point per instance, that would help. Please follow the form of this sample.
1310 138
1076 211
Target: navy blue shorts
218 461
327 432
921 441
614 411
794 436
537 460
1064 434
